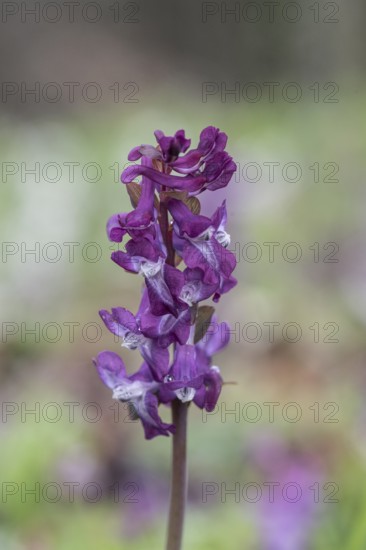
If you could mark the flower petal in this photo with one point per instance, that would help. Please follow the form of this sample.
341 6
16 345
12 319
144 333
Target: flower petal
124 260
213 382
188 223
148 412
119 322
111 368
115 229
186 183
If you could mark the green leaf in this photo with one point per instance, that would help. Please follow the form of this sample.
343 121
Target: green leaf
134 191
194 205
203 321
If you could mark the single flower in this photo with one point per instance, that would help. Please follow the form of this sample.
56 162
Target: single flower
138 390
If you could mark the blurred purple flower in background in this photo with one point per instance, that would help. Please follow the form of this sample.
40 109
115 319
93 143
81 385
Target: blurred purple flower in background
145 505
286 514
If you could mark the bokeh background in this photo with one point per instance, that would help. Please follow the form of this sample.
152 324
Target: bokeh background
75 472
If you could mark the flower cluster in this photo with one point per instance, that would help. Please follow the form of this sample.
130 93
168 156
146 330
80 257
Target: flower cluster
183 259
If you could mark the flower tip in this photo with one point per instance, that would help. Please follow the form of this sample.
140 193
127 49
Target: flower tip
134 154
158 134
115 256
128 174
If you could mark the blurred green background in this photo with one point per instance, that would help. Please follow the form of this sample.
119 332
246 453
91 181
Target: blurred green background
75 472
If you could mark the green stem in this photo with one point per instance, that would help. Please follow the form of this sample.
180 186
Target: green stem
179 476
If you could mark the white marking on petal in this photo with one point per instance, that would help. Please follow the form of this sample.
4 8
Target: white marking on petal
188 293
185 394
149 269
206 235
223 237
132 340
129 391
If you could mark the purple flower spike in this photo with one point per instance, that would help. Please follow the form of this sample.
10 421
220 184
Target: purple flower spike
183 259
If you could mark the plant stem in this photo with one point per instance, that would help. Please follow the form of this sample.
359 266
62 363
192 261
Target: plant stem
179 476
178 492
167 235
